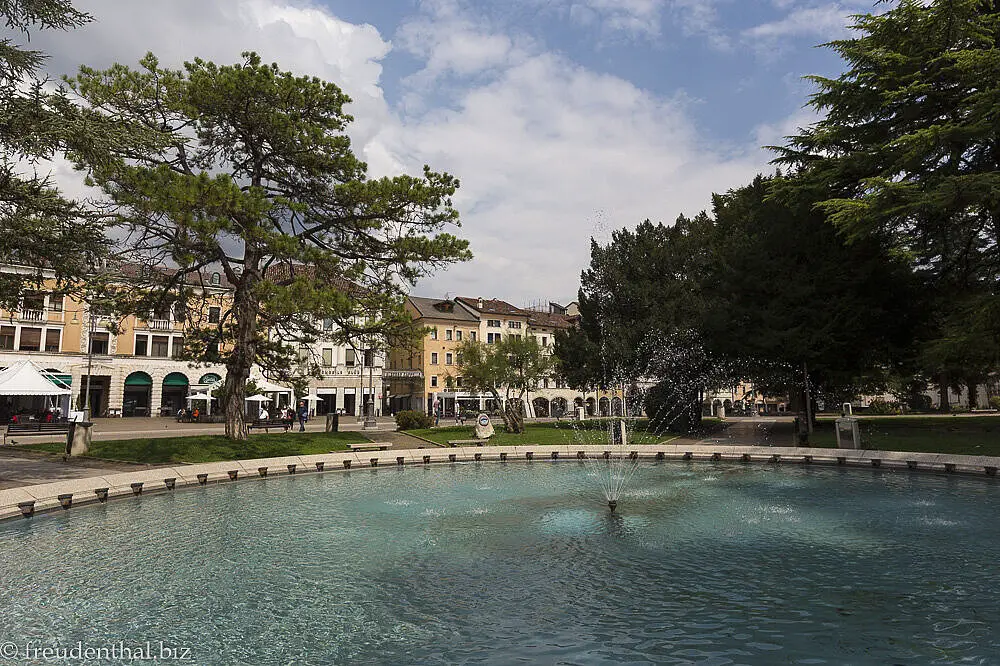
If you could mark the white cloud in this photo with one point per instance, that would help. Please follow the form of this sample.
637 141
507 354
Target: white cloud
548 152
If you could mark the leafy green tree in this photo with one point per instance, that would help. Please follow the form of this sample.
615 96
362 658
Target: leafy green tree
246 170
908 150
643 281
791 298
39 227
507 370
640 294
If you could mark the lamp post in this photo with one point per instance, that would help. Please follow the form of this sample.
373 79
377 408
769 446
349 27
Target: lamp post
90 359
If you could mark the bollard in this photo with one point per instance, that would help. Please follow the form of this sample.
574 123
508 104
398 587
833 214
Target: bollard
659 455
427 460
775 458
292 468
400 460
876 462
102 494
478 456
202 479
581 455
807 459
66 500
716 457
503 456
233 474
137 488
634 455
27 508
555 455
320 466
170 483
452 457
990 471
529 455
607 454
911 464
686 456
347 464
373 462
745 457
949 467
841 460
262 471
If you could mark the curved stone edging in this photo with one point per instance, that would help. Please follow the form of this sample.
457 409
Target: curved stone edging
28 500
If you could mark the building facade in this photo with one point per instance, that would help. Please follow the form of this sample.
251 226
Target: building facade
129 366
428 374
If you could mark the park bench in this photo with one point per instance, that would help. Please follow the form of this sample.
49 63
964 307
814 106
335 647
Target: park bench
467 442
33 428
267 425
368 446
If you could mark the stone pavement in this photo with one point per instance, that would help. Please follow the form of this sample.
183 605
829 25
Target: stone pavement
18 468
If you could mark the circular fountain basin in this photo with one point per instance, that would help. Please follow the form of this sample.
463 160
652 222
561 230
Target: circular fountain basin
709 563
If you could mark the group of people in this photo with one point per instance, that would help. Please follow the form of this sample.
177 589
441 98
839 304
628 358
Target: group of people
288 415
48 415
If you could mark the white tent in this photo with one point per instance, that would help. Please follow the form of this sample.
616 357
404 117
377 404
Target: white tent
258 398
23 378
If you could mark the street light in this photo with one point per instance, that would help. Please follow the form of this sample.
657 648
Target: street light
90 359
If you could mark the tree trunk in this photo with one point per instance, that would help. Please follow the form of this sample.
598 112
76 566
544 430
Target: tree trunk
945 405
244 352
513 416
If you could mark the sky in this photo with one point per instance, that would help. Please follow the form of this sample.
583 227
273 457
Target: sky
563 119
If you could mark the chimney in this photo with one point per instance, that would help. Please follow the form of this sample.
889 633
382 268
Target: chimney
480 302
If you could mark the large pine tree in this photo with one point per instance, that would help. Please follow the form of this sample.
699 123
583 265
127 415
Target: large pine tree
245 169
909 149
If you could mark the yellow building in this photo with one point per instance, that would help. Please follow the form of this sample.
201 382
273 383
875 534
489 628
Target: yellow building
418 375
131 362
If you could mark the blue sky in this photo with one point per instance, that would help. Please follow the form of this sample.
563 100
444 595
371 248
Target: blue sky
563 119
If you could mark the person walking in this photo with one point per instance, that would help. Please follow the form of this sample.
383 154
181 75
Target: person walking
303 415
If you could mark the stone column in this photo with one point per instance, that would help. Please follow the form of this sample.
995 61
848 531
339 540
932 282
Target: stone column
156 396
116 391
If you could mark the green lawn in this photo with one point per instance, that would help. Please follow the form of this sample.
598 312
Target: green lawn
212 448
594 431
970 435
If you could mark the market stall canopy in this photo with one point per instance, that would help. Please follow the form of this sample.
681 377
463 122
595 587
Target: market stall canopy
200 396
23 378
258 398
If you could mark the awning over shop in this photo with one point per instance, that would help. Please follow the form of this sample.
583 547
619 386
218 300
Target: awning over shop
138 379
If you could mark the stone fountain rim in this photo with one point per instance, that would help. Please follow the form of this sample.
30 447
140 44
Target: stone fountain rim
51 497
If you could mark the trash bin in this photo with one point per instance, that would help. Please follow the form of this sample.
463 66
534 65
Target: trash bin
333 422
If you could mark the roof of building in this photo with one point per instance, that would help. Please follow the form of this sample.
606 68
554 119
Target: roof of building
284 272
549 320
440 308
492 306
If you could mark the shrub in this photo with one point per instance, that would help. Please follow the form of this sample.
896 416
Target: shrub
410 419
883 407
995 402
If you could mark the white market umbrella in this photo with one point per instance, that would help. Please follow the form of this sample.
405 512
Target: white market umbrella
311 398
258 398
199 396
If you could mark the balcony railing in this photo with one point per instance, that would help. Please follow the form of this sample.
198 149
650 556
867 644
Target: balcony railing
159 324
32 315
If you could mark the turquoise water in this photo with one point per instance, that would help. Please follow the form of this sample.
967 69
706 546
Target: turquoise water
521 563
